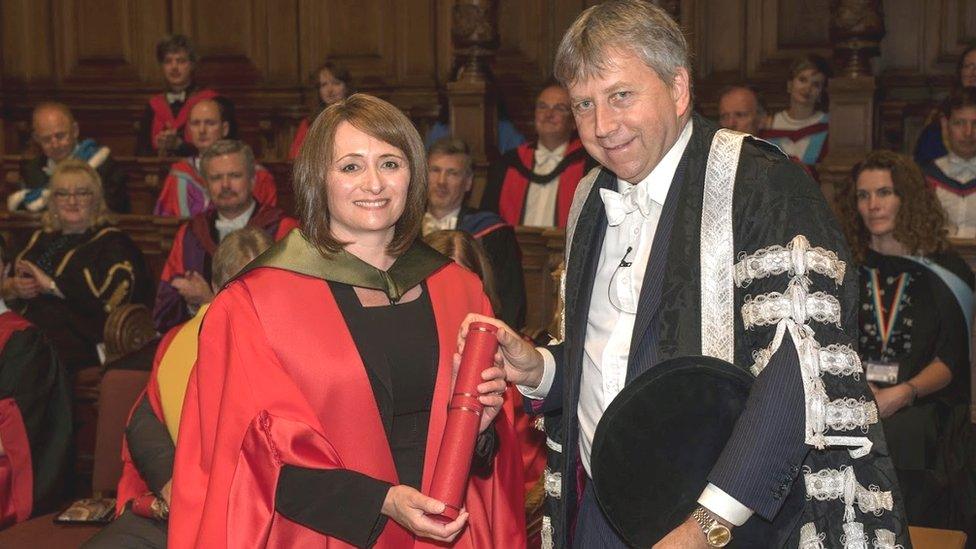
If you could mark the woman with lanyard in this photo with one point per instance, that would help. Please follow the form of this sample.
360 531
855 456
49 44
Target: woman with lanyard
915 314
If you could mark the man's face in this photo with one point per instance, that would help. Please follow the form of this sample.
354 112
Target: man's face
960 131
738 110
56 134
448 182
178 69
206 127
554 116
228 184
627 117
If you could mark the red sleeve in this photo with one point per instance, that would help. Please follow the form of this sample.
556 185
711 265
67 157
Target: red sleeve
296 144
168 202
174 261
230 447
265 190
16 471
285 226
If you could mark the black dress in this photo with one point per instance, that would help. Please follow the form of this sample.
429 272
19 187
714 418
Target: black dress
928 439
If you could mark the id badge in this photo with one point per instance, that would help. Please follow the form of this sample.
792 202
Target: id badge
885 373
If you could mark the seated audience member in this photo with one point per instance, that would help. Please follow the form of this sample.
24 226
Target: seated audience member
953 176
327 439
932 141
332 82
229 171
163 130
77 268
739 109
450 176
801 130
508 135
184 192
56 132
150 438
534 184
916 309
35 419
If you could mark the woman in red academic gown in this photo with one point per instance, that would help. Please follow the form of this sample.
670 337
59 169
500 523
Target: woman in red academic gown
315 412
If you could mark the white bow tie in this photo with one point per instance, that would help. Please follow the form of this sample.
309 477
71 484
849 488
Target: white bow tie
173 97
618 205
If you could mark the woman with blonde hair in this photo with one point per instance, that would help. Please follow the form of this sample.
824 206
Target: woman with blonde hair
316 408
77 268
915 318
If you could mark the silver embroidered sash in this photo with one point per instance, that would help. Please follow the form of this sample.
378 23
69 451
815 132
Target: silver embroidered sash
717 254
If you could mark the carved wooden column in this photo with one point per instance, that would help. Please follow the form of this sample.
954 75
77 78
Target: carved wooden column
856 29
471 98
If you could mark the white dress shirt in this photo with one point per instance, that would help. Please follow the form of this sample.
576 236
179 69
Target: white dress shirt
433 224
961 210
226 226
540 199
610 324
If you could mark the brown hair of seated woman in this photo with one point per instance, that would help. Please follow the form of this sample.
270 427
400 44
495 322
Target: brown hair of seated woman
921 222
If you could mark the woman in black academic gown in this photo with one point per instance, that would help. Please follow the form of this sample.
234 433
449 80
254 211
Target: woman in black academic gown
77 268
915 317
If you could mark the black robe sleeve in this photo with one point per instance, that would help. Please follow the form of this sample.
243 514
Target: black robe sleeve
496 178
31 374
104 274
150 445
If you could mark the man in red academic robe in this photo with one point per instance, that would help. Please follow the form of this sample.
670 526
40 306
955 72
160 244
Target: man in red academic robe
534 184
231 178
163 128
184 192
35 420
261 410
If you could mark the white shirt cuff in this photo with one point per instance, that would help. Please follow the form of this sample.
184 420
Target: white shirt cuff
723 505
548 373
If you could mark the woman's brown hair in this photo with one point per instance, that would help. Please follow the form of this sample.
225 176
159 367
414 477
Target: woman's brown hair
382 121
920 224
470 254
101 215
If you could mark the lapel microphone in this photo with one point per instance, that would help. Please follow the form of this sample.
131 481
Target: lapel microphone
624 262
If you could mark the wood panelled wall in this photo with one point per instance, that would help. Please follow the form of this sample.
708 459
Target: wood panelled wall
98 55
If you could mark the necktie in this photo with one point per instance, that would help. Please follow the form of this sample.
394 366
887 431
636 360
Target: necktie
618 205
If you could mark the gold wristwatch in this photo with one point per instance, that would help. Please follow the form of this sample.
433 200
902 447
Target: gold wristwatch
716 533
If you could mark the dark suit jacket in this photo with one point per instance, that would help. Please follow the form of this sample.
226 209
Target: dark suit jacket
774 201
502 248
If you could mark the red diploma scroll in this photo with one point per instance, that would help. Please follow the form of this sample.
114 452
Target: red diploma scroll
463 419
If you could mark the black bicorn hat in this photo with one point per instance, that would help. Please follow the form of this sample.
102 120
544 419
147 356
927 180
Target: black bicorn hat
658 440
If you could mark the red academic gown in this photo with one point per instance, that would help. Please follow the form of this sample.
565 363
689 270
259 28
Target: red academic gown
163 118
16 471
507 190
300 133
279 380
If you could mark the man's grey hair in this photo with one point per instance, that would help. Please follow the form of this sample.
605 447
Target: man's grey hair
228 146
451 146
636 26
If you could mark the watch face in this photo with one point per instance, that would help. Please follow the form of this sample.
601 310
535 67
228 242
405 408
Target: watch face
719 536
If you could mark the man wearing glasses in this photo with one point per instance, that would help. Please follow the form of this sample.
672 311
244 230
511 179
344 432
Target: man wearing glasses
534 184
56 132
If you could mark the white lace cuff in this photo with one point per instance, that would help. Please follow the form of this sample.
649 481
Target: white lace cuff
795 303
831 484
796 258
